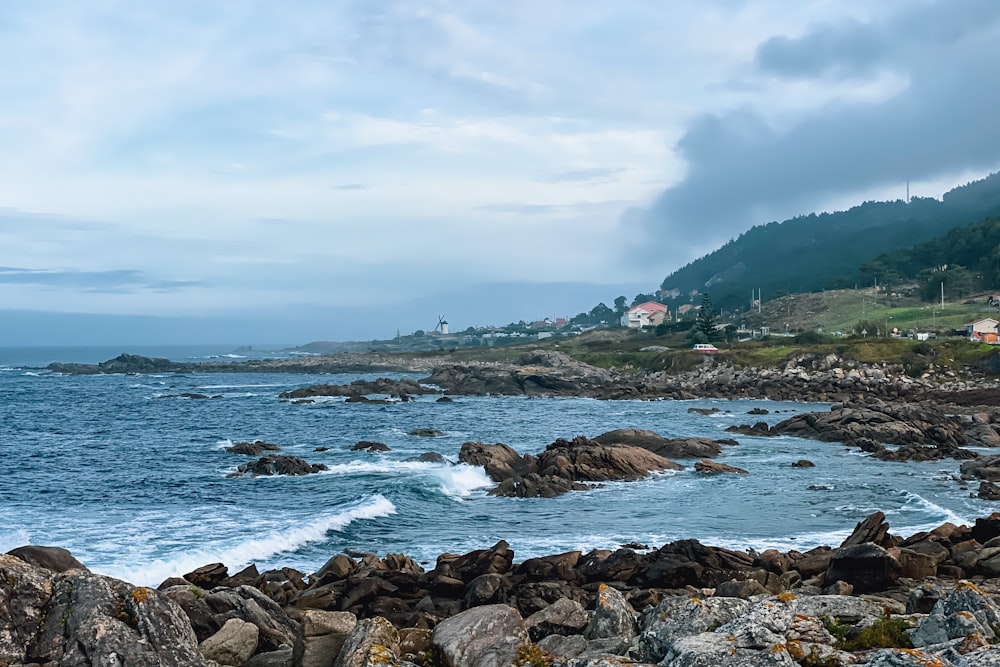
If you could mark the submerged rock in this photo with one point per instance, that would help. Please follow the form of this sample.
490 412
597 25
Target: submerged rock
274 464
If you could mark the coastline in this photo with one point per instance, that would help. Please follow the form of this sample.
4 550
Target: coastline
682 603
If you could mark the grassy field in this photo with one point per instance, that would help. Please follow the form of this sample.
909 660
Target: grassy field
841 310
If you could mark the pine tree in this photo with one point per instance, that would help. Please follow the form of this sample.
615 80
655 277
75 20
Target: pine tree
706 321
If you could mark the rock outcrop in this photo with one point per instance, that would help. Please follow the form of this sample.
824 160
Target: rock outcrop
565 465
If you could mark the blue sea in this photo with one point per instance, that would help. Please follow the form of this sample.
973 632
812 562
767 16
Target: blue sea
133 478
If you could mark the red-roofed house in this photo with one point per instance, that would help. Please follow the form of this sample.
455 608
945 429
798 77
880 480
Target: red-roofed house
647 314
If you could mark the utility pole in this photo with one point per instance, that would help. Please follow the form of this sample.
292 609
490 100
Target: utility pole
942 295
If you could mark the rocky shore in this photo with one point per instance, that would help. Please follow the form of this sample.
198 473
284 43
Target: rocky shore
877 599
805 377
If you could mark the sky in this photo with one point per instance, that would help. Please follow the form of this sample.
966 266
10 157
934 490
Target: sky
256 172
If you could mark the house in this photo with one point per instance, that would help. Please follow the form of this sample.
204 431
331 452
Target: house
686 308
977 329
648 314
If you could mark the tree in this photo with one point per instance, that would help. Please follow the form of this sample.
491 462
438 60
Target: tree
601 313
706 321
620 307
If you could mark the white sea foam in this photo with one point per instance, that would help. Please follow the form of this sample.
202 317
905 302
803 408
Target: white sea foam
237 386
13 539
947 515
240 554
461 481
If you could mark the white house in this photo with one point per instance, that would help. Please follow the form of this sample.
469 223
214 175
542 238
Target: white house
648 314
977 329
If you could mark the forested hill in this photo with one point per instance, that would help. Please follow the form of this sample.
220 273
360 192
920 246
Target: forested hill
816 252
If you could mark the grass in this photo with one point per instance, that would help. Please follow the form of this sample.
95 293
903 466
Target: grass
886 632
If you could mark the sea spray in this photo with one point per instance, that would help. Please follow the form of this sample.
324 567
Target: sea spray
240 554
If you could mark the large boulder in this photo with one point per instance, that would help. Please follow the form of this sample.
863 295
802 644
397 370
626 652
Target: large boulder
613 616
487 636
56 559
233 644
867 567
320 637
671 448
373 642
100 621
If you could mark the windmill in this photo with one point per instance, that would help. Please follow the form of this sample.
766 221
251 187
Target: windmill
442 325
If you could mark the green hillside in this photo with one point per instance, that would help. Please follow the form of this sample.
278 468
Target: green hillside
816 252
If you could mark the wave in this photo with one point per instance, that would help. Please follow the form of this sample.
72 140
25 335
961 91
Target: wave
241 554
14 539
237 386
933 508
462 480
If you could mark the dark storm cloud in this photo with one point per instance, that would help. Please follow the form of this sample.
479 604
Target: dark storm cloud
742 172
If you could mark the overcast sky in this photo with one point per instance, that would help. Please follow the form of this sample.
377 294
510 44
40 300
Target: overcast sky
335 169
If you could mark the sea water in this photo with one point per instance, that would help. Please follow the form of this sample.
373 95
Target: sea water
134 478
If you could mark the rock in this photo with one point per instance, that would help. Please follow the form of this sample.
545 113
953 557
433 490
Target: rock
208 576
718 650
358 389
251 605
233 644
913 565
275 464
988 491
484 589
986 528
667 447
563 647
872 529
675 618
365 445
55 559
430 457
101 619
803 463
26 591
706 466
280 658
487 636
563 466
757 411
563 617
202 618
467 567
966 611
867 567
613 616
373 642
426 433
320 637
704 411
255 448
745 589
764 625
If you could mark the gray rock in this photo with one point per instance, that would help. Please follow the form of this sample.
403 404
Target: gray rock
764 625
964 612
563 617
890 657
613 616
680 617
713 649
25 592
280 658
487 636
373 642
103 621
233 644
320 637
844 609
563 647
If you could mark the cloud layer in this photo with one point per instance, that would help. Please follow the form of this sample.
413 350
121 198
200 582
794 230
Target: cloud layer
192 160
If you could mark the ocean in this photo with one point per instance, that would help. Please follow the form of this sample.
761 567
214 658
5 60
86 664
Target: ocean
132 478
